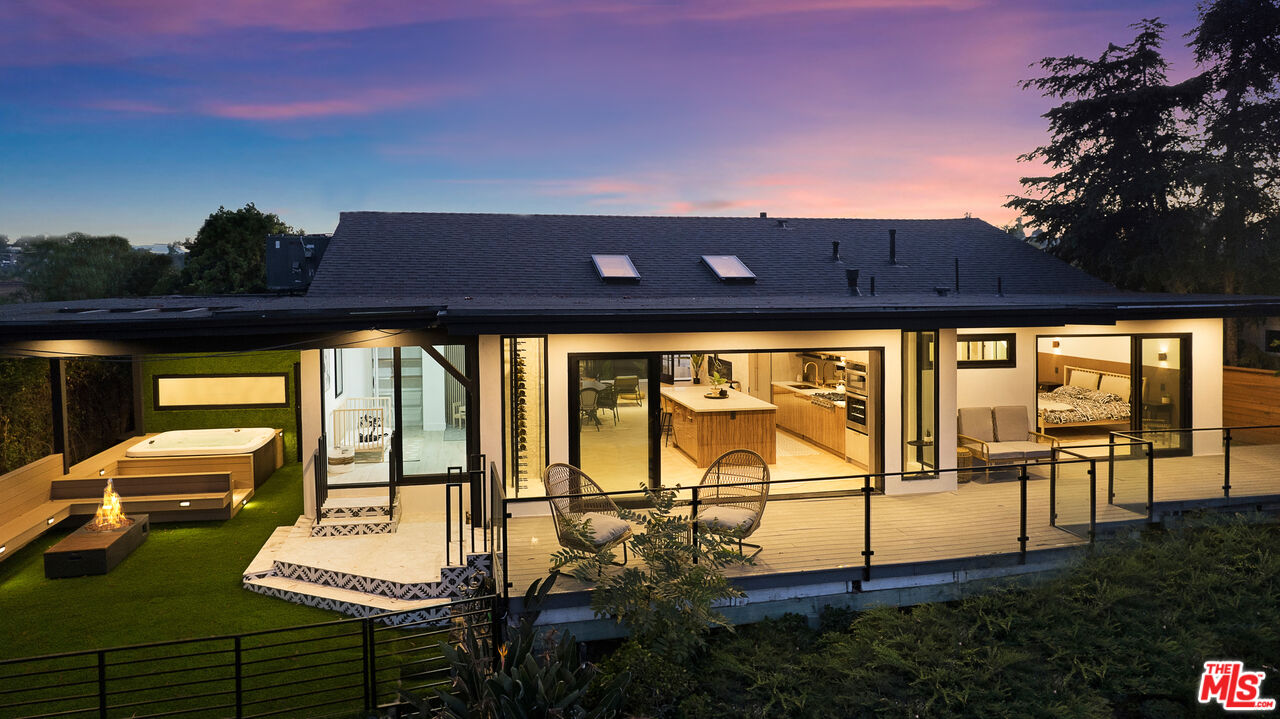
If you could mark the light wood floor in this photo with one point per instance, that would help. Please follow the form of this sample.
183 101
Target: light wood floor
975 520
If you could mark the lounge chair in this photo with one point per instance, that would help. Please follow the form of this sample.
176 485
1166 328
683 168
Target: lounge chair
1002 435
733 493
628 387
606 530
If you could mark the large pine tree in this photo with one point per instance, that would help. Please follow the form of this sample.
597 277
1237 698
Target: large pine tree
1118 200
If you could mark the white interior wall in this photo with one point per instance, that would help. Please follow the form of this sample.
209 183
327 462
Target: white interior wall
490 384
995 387
433 381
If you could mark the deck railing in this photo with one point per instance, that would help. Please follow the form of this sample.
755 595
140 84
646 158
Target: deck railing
349 667
1237 438
1124 480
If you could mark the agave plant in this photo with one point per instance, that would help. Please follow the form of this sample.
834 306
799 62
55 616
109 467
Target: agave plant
536 677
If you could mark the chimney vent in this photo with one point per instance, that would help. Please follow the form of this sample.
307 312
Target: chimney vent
893 247
852 277
942 291
764 214
782 225
835 249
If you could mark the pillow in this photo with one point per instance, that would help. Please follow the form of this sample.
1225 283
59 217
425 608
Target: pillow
1067 390
1083 378
1119 386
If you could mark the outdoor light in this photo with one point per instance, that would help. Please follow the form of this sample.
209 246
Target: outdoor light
184 503
102 472
49 520
2 548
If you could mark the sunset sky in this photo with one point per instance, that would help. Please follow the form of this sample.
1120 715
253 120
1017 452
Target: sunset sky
140 117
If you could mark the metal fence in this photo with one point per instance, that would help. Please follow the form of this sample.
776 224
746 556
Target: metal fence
346 668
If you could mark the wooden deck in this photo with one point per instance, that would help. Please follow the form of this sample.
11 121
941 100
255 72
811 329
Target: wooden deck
808 535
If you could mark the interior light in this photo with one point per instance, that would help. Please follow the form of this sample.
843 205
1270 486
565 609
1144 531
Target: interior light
184 503
1163 356
49 520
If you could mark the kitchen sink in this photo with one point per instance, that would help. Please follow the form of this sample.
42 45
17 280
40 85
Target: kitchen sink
802 386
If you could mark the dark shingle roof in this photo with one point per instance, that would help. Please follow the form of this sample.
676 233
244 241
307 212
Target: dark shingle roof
453 255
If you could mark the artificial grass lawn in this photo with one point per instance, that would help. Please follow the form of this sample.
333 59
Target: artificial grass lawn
183 582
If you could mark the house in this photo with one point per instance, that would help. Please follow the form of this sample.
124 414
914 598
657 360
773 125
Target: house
443 360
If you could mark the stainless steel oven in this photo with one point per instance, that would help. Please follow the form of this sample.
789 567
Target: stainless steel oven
855 378
855 411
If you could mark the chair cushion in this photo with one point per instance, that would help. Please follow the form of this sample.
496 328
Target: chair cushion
604 528
725 517
1011 423
976 422
1018 450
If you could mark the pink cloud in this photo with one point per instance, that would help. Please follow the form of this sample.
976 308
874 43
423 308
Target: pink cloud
360 102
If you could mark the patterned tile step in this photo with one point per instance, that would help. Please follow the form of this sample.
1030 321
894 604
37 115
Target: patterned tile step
355 507
354 526
348 602
264 563
452 582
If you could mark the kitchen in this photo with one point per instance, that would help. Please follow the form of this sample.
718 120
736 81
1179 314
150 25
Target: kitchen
817 412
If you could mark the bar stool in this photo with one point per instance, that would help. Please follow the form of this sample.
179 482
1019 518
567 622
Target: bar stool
665 427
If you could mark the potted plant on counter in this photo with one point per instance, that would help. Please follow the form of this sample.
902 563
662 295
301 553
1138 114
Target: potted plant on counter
716 382
695 362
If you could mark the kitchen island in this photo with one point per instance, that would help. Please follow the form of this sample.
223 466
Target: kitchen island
705 428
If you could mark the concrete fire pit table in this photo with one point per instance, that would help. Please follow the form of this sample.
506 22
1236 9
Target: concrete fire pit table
87 551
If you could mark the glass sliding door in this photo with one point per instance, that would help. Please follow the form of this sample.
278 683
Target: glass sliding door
612 419
359 415
920 401
1162 386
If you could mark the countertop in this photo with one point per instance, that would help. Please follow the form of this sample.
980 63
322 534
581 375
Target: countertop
692 398
787 387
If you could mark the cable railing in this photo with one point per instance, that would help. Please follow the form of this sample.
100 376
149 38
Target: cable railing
339 668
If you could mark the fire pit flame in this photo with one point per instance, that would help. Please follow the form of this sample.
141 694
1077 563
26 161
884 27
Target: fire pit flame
110 516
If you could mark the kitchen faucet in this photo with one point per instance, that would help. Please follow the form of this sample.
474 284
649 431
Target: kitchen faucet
804 371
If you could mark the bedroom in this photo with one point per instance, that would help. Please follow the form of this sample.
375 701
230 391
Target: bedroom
1081 382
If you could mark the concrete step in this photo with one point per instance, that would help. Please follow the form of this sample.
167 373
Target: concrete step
264 563
346 601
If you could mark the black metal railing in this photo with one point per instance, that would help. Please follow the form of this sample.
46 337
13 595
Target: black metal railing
320 466
339 668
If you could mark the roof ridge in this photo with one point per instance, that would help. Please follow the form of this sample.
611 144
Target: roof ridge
437 213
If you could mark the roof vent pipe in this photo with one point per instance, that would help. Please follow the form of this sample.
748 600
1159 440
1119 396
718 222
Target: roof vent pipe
1000 286
893 247
852 277
957 275
873 285
782 225
835 249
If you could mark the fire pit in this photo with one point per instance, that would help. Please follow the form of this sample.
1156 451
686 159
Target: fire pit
97 547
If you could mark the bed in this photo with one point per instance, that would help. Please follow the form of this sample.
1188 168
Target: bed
1088 398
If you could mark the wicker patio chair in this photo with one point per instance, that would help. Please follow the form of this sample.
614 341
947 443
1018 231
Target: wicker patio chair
587 407
608 399
733 493
607 530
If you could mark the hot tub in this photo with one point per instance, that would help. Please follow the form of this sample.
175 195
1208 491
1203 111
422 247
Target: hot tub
203 442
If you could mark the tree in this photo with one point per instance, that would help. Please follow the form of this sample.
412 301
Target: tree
228 254
1118 201
1237 45
79 266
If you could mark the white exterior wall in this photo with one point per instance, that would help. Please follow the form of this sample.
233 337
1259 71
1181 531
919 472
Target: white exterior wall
1017 385
312 426
490 384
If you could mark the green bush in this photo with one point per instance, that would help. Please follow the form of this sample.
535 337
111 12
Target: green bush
1124 634
26 414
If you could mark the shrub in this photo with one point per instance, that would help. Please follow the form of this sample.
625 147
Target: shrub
666 600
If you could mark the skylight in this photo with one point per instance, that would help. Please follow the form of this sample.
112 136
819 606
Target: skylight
616 268
729 268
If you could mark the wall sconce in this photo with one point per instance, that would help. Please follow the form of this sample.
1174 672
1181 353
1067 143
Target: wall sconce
184 503
1163 356
102 473
1057 347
